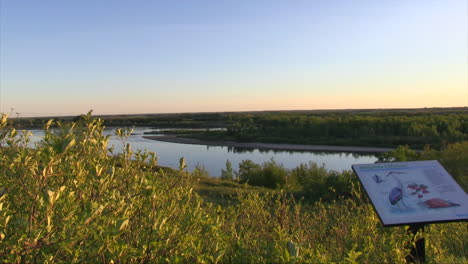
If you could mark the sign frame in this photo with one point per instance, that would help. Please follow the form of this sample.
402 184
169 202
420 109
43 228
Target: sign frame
397 191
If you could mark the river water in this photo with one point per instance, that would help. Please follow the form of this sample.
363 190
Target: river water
213 159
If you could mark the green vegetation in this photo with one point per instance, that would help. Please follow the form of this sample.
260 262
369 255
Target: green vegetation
417 128
188 120
307 181
314 182
376 129
71 200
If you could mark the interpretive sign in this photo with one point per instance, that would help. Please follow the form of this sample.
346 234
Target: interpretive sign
416 192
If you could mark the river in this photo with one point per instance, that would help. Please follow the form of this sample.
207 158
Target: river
213 158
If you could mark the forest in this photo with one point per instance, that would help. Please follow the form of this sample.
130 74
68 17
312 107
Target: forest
377 129
71 199
436 127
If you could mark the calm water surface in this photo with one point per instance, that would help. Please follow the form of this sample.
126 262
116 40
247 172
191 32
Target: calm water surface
213 159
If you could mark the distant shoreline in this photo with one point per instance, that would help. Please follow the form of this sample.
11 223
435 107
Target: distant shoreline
274 146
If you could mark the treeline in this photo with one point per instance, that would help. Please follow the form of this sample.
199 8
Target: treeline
184 120
377 129
71 200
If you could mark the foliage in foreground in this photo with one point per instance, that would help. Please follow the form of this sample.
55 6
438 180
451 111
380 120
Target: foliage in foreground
72 200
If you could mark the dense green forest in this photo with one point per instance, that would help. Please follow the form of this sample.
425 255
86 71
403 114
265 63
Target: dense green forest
72 200
378 129
189 120
417 128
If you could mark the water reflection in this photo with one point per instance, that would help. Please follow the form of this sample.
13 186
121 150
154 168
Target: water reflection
242 150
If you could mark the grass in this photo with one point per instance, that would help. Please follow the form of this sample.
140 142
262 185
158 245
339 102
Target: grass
224 192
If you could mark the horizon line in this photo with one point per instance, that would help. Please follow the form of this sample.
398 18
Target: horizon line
244 111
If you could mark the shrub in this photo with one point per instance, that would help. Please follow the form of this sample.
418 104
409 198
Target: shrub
269 174
68 200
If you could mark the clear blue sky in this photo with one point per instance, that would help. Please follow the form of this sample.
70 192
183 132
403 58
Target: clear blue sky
114 56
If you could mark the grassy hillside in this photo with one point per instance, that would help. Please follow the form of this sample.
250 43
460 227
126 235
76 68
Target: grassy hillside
70 200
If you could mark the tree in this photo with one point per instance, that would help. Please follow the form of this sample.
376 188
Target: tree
227 174
401 153
247 169
269 174
273 175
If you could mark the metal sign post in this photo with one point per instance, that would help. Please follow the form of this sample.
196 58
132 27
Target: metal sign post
418 251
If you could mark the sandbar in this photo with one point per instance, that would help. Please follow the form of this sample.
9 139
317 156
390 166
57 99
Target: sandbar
273 146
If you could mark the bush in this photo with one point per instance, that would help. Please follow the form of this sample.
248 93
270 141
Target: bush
67 200
315 182
269 174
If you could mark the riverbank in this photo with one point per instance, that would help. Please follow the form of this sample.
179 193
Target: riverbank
273 146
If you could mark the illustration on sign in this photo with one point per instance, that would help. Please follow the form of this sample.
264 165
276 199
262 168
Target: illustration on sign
413 192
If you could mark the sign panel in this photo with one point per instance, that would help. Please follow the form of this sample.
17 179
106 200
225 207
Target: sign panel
405 193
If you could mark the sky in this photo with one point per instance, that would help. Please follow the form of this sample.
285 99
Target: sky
124 57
